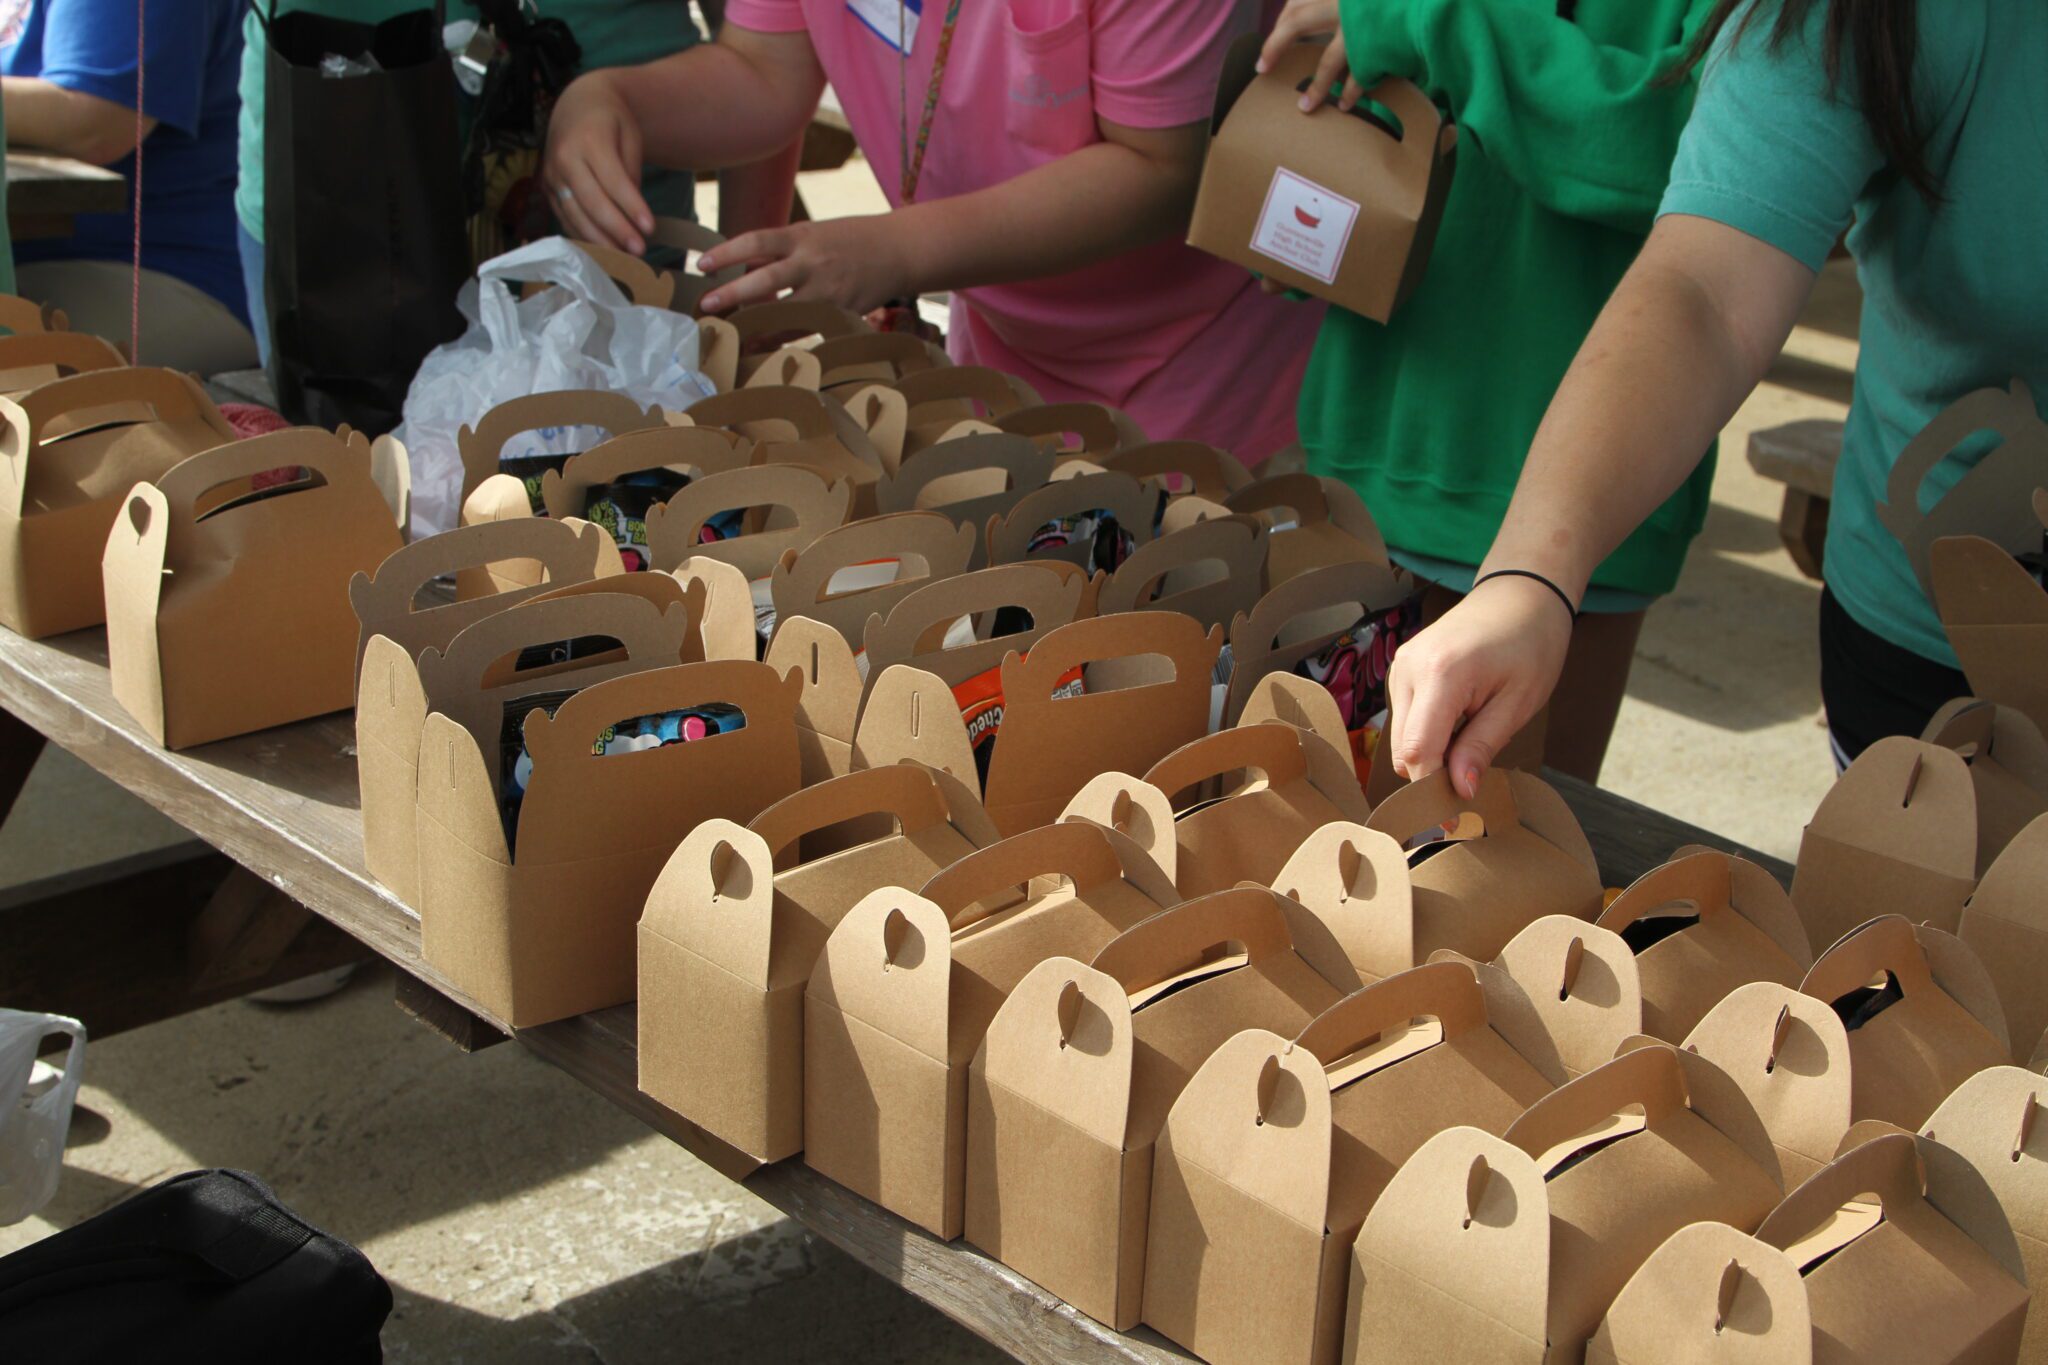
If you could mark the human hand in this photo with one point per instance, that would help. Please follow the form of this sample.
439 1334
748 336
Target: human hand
1304 19
858 263
1466 685
592 166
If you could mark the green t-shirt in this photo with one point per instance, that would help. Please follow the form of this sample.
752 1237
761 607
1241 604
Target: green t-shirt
611 32
1566 133
1955 295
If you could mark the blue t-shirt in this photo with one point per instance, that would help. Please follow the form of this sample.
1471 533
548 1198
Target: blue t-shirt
193 50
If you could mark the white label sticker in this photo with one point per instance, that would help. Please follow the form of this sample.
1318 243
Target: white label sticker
893 21
1305 226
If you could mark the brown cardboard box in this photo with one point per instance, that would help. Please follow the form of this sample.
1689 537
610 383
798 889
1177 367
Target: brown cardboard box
1354 882
938 400
1279 785
2008 761
878 360
971 477
1990 500
914 631
28 360
544 929
1512 1248
1943 1026
1787 1054
1879 1257
1340 205
72 450
828 709
2005 923
1515 854
640 282
907 983
657 627
1146 681
763 329
1991 1125
734 924
1276 1150
1079 1068
788 505
1075 431
206 566
831 581
791 425
1897 832
1213 571
1123 497
1997 618
482 445
1182 469
691 284
1700 926
1295 620
1316 523
1561 989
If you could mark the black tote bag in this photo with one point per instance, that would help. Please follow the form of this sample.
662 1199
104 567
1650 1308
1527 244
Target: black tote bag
363 220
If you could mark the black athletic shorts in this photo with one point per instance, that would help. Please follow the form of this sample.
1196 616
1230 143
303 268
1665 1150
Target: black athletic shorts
1873 688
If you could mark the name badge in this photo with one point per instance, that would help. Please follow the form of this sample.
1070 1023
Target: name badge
893 21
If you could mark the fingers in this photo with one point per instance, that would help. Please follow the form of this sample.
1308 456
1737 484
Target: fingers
608 223
756 286
1269 285
1425 720
1480 741
1353 93
1285 30
620 181
573 219
1331 69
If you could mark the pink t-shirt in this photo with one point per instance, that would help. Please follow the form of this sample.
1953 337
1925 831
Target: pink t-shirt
1182 341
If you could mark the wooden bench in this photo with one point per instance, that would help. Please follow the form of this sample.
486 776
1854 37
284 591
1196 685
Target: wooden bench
1801 455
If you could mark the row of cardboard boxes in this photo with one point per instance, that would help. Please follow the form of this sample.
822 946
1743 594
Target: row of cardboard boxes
1133 971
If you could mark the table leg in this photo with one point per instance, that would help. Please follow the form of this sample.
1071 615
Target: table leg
20 746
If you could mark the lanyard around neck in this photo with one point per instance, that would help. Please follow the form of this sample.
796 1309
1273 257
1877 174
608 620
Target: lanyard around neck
911 155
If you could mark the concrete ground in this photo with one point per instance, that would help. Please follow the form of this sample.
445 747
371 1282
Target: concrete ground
521 1219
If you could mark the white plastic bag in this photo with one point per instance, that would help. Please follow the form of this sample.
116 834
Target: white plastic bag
582 334
32 1127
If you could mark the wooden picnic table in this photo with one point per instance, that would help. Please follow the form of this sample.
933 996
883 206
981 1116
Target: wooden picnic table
283 805
45 192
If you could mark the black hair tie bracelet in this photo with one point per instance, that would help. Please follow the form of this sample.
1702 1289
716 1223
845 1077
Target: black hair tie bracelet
1562 595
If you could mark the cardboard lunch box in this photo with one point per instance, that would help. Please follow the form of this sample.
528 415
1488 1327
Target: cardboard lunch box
1245 799
1888 1254
2005 924
1012 536
785 507
972 476
1513 1248
1353 882
482 445
689 283
1276 1150
907 984
1074 1080
851 365
1213 571
542 927
242 556
72 450
1093 432
1298 619
1316 523
649 620
937 400
1144 693
863 569
1933 1024
1990 499
759 331
1996 616
1700 926
1897 832
2008 761
1511 855
29 360
735 923
1340 205
916 631
1992 1124
1182 470
792 425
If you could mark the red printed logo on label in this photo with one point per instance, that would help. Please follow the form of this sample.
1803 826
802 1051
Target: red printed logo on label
1304 225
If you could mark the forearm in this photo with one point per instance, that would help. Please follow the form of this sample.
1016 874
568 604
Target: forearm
758 194
1664 368
741 99
1094 203
44 115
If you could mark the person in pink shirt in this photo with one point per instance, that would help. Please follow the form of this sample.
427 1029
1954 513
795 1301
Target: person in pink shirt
1040 157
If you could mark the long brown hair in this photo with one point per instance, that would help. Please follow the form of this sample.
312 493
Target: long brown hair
1879 38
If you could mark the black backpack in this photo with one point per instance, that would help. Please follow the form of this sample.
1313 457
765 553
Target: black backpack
206 1266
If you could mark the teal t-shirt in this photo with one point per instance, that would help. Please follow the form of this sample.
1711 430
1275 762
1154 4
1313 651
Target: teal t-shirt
611 33
1955 293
